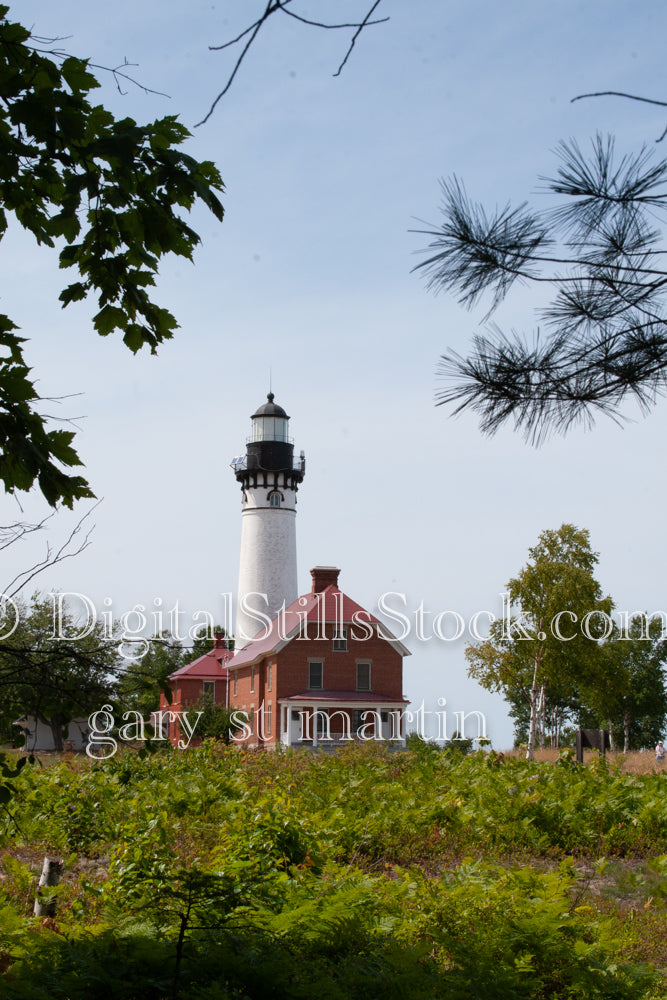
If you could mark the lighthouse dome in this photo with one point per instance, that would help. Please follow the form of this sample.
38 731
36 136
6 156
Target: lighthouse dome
270 423
270 409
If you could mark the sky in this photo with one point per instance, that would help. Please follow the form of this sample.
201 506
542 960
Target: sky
307 288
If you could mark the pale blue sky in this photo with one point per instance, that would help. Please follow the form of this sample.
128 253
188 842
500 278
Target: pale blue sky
309 277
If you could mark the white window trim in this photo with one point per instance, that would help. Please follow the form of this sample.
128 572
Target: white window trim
340 641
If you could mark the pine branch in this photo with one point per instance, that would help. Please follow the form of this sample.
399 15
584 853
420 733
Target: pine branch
608 316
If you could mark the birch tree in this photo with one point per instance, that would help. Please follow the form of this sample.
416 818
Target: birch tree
550 642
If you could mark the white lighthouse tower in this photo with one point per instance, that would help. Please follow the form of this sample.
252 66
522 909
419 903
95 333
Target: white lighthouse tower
269 478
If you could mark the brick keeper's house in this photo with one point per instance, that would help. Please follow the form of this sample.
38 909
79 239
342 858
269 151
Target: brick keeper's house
315 669
326 672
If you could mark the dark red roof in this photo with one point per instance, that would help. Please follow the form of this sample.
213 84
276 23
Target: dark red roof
208 665
367 697
330 605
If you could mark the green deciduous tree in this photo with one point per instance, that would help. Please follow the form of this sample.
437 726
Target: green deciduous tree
204 641
107 195
217 721
541 652
630 694
145 678
51 666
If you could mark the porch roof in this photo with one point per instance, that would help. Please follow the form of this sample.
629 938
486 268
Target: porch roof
338 697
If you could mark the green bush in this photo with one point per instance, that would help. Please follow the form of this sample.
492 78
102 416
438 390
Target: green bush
227 873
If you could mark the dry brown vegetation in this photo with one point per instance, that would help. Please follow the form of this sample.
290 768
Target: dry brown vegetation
635 762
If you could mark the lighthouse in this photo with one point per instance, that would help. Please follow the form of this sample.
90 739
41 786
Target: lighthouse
269 477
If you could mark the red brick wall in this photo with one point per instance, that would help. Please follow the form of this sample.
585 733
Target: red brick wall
187 691
249 701
290 675
340 669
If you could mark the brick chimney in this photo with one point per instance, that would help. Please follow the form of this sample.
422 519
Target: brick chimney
323 577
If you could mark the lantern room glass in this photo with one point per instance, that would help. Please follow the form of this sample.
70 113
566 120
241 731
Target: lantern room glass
269 428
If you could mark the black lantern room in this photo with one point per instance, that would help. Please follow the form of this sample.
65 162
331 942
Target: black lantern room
270 448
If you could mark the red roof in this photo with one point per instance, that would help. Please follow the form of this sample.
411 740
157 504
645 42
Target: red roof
208 665
367 697
308 613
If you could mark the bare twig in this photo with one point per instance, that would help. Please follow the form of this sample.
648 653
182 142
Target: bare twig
271 8
630 97
116 71
64 551
360 28
619 93
10 533
352 24
251 32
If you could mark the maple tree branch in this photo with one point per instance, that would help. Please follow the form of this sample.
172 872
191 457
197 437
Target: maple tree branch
116 71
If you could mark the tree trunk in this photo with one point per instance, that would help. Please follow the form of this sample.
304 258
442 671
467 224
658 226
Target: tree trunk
57 731
534 691
612 745
52 869
543 716
626 732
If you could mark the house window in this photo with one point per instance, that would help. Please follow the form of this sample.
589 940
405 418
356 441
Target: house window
252 679
268 718
357 719
274 499
340 640
363 676
208 689
315 675
269 677
236 682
